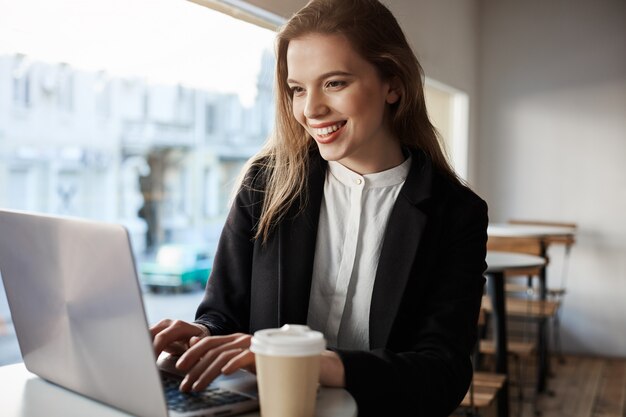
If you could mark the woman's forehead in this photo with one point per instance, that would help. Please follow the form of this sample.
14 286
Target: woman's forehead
318 52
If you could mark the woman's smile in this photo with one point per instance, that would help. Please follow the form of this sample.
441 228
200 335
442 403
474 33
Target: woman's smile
326 133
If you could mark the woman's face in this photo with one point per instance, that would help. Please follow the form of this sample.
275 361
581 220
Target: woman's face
341 100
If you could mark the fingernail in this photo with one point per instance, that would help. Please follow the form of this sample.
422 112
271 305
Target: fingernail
184 385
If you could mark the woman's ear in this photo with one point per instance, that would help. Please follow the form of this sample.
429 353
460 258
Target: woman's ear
393 95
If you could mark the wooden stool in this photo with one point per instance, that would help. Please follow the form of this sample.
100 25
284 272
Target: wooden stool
483 391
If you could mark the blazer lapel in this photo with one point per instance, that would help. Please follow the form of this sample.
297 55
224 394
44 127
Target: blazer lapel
296 249
402 236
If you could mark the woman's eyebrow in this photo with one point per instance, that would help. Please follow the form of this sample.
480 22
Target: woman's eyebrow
324 76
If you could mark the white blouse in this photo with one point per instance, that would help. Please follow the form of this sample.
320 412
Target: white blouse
353 218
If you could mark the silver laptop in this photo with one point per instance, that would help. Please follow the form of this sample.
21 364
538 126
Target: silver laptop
78 313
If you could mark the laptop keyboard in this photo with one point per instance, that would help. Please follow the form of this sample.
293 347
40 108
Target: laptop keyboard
191 401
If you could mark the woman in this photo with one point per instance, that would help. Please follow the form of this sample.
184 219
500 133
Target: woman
350 220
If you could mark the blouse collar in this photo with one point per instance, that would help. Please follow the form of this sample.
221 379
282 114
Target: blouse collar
387 178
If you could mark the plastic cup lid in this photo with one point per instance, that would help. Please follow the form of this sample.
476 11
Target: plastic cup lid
289 340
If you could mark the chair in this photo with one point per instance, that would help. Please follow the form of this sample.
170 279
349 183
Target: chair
518 350
523 307
554 293
485 386
533 307
482 393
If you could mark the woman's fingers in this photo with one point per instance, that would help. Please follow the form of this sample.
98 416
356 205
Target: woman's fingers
154 330
204 349
204 361
172 335
197 381
208 348
244 360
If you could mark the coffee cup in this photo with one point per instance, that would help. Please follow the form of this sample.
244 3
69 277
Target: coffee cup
287 367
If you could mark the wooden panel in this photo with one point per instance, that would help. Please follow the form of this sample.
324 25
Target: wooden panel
485 389
530 246
525 307
562 240
581 387
611 398
573 388
488 347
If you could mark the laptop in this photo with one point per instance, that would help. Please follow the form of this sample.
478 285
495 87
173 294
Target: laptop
76 305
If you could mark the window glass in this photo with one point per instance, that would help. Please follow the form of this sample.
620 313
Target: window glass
448 109
140 113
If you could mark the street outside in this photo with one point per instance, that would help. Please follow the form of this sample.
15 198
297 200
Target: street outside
180 305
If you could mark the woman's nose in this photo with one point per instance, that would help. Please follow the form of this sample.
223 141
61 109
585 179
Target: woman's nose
315 105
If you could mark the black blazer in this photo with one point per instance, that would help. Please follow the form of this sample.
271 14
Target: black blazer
426 297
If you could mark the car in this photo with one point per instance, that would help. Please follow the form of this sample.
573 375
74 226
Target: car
177 266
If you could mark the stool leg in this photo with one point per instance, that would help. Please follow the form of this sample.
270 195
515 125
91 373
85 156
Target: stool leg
556 328
518 381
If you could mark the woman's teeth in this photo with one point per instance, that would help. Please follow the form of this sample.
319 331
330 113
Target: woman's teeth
329 129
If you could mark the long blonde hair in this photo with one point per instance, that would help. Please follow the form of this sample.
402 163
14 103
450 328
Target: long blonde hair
374 32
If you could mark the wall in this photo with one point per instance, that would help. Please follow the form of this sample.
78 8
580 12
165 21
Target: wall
553 145
443 34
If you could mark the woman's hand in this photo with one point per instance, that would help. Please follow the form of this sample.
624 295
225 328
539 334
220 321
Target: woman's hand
174 336
332 371
204 358
210 356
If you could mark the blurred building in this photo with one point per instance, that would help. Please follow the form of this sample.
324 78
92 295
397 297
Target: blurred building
160 159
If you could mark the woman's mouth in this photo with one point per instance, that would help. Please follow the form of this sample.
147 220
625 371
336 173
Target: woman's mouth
328 133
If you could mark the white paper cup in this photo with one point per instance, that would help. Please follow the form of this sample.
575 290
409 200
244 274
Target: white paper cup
287 366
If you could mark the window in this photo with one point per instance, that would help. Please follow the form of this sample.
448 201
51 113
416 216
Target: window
21 81
448 109
65 88
102 92
19 180
147 127
209 119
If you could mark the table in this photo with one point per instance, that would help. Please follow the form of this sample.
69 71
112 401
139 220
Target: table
543 234
26 395
497 263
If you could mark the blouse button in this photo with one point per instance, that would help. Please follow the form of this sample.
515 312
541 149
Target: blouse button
358 181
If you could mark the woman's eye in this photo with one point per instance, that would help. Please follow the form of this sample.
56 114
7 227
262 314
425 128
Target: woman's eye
335 84
295 90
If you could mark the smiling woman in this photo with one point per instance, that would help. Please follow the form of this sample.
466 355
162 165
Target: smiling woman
351 221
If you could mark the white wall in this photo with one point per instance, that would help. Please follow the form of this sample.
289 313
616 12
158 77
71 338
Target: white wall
553 145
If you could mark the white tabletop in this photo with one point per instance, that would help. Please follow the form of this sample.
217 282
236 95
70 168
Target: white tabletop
500 261
522 230
26 395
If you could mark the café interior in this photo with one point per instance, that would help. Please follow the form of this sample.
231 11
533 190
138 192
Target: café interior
534 101
545 85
